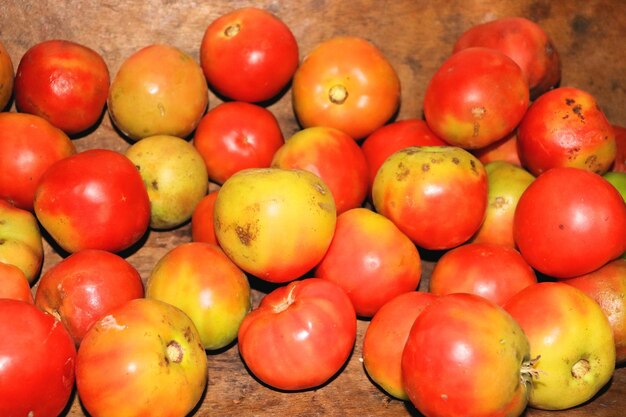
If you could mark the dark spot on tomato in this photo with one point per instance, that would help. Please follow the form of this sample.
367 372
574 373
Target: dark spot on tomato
499 202
154 184
562 226
188 334
2 241
245 234
411 150
578 111
473 166
456 160
425 167
476 130
403 172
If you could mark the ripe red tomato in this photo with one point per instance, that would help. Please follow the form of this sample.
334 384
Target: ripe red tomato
504 149
300 335
333 156
14 284
64 82
476 97
565 127
570 221
235 136
248 54
464 357
202 224
29 144
619 164
347 83
84 287
7 77
37 358
94 199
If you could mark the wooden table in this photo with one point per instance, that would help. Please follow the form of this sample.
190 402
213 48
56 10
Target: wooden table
416 36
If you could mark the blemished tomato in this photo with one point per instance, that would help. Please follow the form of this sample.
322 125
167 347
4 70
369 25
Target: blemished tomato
202 222
14 284
565 127
84 287
495 272
300 335
476 97
237 135
64 82
465 356
386 336
569 222
29 144
347 83
94 199
333 156
371 259
437 195
619 164
249 54
7 77
38 356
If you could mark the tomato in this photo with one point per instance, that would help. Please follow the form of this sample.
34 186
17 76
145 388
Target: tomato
203 282
619 164
565 127
38 357
248 54
202 225
465 356
443 187
371 259
7 77
504 149
331 155
14 284
386 336
571 340
259 224
29 144
347 83
394 136
83 209
64 82
618 180
525 42
493 271
84 287
158 90
476 97
284 342
237 135
143 358
570 221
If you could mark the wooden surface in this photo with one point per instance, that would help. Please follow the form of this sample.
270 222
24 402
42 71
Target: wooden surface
416 36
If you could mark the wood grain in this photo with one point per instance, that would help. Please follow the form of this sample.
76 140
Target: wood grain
416 36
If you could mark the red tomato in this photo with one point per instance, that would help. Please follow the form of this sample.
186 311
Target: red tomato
249 54
202 224
386 336
504 149
94 199
476 97
495 272
64 82
347 83
395 136
37 357
464 357
300 335
570 221
565 127
7 77
371 259
29 144
235 136
331 155
619 164
14 284
85 286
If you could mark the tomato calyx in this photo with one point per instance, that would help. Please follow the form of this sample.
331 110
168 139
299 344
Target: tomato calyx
337 94
528 371
173 352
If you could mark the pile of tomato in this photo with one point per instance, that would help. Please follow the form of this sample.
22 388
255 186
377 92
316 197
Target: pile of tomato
513 184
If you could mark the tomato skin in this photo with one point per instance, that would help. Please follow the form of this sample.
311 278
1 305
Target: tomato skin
570 221
619 164
297 321
249 55
237 135
37 374
202 223
347 83
504 149
7 77
14 284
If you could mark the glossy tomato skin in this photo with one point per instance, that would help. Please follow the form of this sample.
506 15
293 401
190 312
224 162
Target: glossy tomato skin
29 144
371 259
569 222
566 127
476 97
333 156
38 357
347 83
237 135
7 77
64 82
297 321
14 284
463 357
85 286
249 55
202 222
94 199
